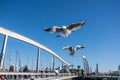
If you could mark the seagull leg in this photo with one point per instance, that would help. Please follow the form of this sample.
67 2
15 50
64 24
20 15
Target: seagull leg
58 36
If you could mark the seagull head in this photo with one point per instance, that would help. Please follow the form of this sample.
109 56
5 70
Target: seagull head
63 27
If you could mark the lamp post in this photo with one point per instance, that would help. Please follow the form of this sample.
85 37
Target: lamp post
78 70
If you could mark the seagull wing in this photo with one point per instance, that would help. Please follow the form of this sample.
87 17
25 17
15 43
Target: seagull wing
66 48
53 29
76 26
79 47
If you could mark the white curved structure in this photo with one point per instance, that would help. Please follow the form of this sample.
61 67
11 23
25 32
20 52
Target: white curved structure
12 34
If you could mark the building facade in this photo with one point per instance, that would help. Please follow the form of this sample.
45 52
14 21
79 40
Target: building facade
85 65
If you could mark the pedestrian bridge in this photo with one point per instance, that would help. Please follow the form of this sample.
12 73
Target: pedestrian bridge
8 33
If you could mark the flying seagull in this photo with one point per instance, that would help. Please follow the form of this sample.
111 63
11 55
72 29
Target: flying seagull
65 30
73 51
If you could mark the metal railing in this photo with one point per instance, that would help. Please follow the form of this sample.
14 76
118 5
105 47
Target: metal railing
31 75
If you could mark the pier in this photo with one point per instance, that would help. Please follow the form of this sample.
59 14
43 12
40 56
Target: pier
52 76
61 73
35 76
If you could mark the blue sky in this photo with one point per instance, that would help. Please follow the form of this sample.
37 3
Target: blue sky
100 34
